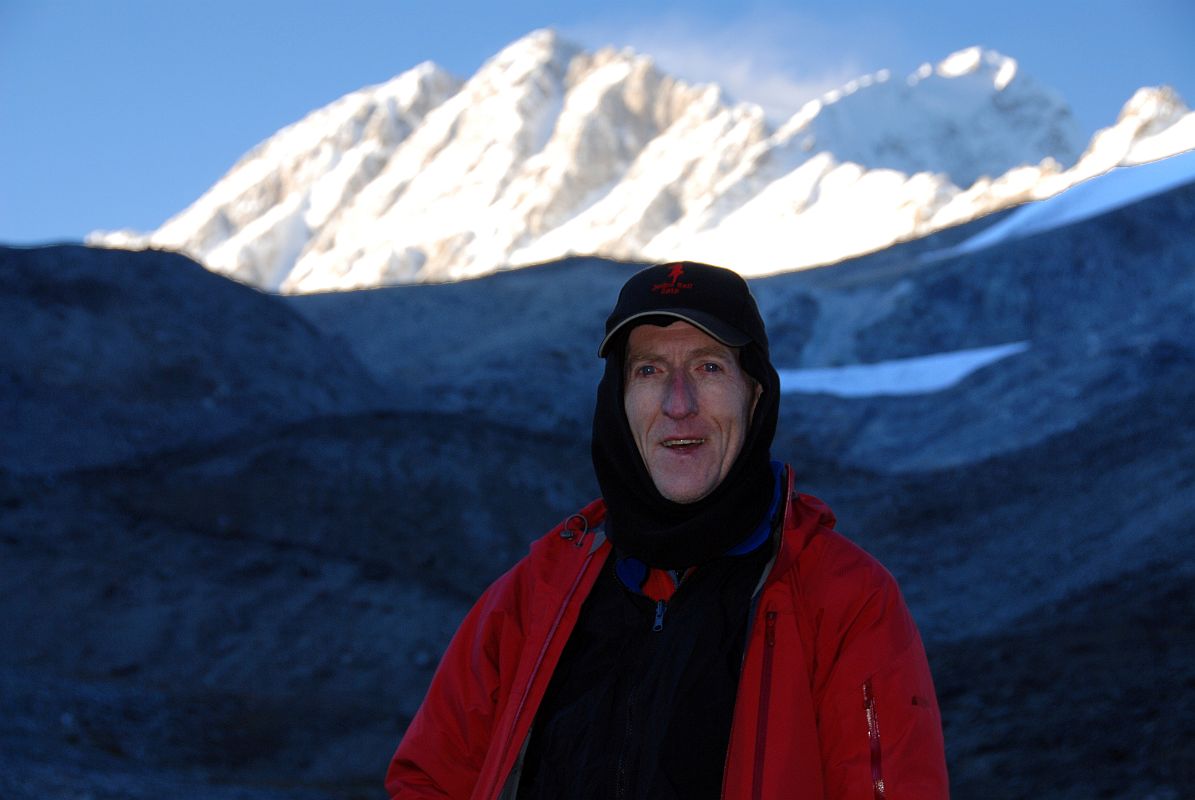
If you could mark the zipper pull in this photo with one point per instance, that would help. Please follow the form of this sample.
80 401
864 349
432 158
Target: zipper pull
661 607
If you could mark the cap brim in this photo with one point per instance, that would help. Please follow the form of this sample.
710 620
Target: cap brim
708 323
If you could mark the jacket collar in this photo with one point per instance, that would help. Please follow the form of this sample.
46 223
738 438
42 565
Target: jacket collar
804 516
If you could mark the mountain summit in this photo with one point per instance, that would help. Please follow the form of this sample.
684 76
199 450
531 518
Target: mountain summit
550 150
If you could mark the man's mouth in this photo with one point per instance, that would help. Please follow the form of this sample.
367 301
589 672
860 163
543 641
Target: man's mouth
681 443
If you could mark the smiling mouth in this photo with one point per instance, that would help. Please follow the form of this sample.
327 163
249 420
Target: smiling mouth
681 443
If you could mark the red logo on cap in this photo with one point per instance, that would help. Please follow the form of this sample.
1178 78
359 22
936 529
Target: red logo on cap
673 286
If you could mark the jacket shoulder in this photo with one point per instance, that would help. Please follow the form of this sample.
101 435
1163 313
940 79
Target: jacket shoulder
569 540
851 602
822 558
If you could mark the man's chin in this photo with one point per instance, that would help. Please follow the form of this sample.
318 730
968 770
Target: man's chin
685 491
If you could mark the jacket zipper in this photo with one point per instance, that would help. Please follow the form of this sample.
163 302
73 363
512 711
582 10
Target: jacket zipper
873 736
769 645
620 780
765 692
662 605
551 635
621 776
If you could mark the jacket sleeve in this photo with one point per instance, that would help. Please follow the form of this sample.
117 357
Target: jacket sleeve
879 724
443 749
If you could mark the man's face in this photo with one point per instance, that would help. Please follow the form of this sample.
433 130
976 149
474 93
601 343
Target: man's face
688 404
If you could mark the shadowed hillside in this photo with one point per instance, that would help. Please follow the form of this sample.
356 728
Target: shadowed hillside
236 530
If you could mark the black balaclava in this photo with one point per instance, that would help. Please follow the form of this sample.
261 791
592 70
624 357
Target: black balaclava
640 521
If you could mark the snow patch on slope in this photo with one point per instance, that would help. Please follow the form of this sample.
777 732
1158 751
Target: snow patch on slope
903 376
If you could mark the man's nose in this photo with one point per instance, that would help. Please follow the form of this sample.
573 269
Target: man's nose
680 398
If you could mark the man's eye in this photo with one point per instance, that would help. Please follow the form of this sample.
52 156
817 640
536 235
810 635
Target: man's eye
711 366
645 369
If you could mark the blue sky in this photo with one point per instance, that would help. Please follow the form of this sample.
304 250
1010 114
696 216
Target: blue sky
120 114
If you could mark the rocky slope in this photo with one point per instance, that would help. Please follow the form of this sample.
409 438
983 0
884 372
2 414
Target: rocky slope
143 354
249 604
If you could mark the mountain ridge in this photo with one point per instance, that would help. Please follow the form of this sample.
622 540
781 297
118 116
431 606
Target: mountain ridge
549 150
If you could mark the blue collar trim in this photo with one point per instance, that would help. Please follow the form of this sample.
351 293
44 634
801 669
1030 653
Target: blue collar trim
764 530
632 572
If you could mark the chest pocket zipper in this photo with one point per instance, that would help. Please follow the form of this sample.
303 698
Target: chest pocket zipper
765 696
873 738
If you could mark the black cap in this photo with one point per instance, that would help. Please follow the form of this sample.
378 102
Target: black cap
714 299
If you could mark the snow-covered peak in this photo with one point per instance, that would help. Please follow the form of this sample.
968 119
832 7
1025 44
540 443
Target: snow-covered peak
976 61
529 69
969 116
1153 108
253 222
550 150
1149 150
528 54
1153 124
1160 122
540 133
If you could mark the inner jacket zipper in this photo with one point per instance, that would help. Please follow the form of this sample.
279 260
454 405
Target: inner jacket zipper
662 605
873 736
620 787
765 695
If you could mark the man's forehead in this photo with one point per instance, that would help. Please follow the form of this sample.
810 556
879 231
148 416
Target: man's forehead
647 340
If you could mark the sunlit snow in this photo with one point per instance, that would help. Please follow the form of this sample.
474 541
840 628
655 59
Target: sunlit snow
903 376
1112 190
549 151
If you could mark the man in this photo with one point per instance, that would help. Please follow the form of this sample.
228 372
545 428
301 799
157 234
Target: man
699 632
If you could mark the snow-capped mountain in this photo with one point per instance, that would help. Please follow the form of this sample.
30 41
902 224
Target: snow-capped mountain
550 150
258 219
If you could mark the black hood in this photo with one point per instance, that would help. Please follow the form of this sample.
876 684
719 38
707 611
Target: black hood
643 523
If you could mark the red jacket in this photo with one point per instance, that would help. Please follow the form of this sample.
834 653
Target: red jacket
835 699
